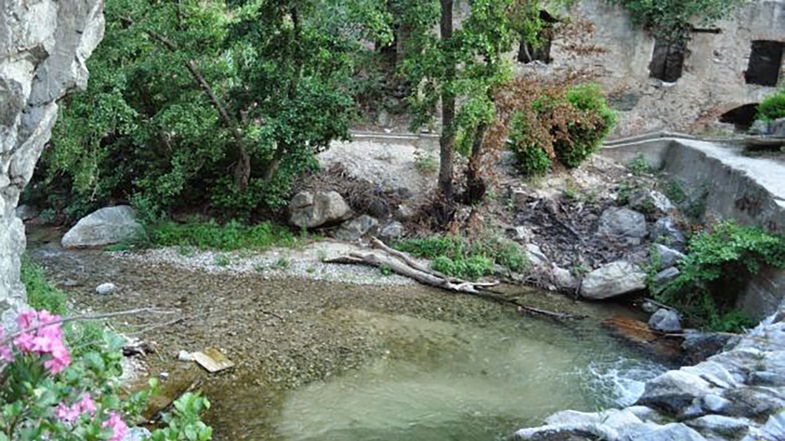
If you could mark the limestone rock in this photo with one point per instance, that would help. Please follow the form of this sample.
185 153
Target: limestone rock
309 210
754 401
26 212
666 257
666 276
665 320
43 49
674 391
721 425
651 202
623 224
404 213
774 429
667 233
777 127
613 279
104 227
563 279
355 229
106 289
668 432
535 255
760 127
393 230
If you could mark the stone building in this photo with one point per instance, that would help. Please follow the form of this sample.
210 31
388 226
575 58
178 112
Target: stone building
711 85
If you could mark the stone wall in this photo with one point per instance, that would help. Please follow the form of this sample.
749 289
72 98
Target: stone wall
619 54
43 48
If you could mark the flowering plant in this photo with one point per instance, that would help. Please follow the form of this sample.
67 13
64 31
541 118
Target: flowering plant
46 393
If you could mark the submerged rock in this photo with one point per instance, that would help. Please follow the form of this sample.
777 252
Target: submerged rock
623 224
309 210
665 320
106 226
614 279
356 228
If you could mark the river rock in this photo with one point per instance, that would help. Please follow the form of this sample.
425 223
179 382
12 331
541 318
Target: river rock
651 202
666 276
614 279
754 401
774 429
404 213
654 432
702 345
760 127
623 224
324 208
535 255
667 233
674 391
106 289
721 425
391 231
665 256
665 320
104 227
355 229
563 279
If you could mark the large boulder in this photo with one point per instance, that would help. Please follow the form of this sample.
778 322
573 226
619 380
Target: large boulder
104 227
614 279
355 229
312 210
623 225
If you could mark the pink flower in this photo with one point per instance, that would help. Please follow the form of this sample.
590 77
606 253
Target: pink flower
86 404
45 340
118 426
66 414
5 350
25 342
26 319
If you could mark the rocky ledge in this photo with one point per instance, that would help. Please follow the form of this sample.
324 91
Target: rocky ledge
738 394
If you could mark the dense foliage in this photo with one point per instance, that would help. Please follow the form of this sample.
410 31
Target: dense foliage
206 104
772 107
458 257
672 20
713 273
549 122
211 235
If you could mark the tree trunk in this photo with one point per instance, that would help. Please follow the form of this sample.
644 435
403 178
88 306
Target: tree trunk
447 140
476 187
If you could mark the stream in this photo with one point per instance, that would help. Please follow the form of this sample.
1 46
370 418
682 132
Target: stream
345 362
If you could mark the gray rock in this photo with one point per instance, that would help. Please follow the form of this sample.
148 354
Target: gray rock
104 227
622 224
760 127
613 279
404 213
563 279
137 434
44 46
773 430
26 212
655 432
535 255
665 256
701 345
185 356
674 391
777 127
520 234
651 202
666 276
309 210
106 289
721 425
356 228
667 233
665 320
391 231
715 404
754 401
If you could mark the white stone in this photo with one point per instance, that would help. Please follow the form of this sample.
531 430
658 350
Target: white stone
106 289
312 210
613 279
106 226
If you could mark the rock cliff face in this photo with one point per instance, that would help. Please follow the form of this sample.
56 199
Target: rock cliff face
43 48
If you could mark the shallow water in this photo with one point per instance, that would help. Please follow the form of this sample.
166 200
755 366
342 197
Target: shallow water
445 381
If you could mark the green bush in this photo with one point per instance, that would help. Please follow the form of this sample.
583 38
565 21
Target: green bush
772 107
456 257
553 123
228 237
587 132
719 264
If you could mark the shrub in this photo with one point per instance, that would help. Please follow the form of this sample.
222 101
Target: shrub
456 257
772 107
228 237
720 262
552 122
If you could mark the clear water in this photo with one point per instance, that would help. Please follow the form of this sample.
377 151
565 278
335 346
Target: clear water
444 381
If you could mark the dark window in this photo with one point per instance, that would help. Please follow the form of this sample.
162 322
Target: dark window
667 62
742 117
528 53
765 63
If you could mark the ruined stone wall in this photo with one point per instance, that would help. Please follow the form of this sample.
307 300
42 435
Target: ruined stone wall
619 53
43 48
